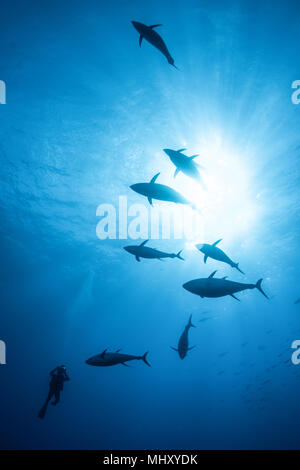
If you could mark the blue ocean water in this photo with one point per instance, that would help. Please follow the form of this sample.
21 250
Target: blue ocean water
88 113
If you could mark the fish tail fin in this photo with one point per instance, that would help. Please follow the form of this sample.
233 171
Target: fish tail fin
236 266
190 324
178 255
258 286
171 61
144 358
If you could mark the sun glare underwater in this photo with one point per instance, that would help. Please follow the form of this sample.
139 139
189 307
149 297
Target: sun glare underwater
88 114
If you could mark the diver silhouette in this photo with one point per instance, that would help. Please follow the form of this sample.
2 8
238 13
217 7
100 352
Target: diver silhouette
56 385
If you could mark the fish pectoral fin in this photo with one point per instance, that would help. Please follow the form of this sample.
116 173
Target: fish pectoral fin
218 241
205 258
180 150
174 349
194 156
150 201
192 347
232 295
176 172
137 258
123 364
155 26
140 40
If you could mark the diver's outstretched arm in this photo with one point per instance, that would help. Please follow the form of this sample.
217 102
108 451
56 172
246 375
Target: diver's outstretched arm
53 371
66 377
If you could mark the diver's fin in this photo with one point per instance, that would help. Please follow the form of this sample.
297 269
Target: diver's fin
212 274
176 172
190 324
174 349
193 156
258 286
155 26
137 258
150 201
178 255
103 353
140 40
180 150
205 258
236 266
232 295
144 242
43 410
144 358
155 178
218 241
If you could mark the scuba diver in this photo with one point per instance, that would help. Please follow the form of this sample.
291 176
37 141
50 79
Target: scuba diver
58 377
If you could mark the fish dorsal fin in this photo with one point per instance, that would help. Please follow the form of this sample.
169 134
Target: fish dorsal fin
155 26
103 354
212 275
218 241
118 350
205 258
155 178
194 156
225 277
140 40
144 242
180 150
